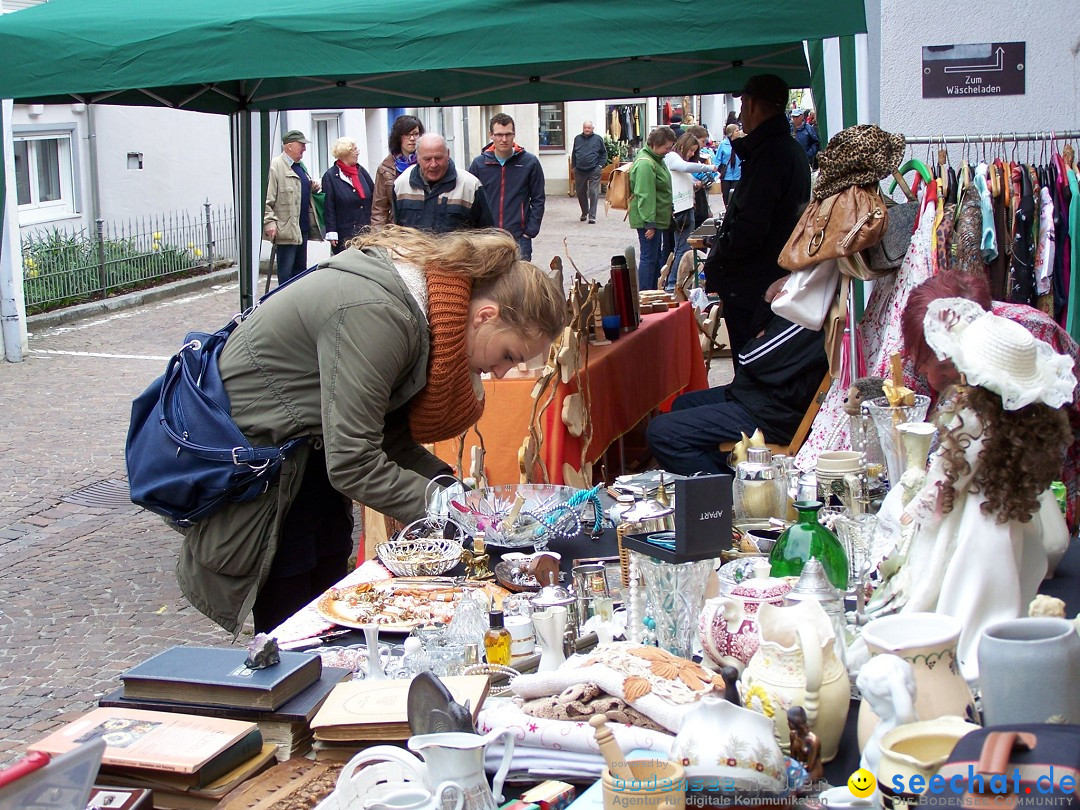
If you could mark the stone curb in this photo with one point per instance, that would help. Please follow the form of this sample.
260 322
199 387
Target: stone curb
91 309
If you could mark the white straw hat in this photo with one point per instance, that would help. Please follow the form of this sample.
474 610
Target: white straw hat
998 354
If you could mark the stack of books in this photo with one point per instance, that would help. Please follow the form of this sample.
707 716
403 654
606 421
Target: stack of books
188 762
211 682
358 714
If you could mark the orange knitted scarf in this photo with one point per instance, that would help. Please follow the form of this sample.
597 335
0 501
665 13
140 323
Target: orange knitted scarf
447 406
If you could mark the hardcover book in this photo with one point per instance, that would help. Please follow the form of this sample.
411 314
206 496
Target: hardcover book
378 710
202 747
288 728
217 676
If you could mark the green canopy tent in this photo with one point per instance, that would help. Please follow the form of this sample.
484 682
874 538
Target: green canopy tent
243 58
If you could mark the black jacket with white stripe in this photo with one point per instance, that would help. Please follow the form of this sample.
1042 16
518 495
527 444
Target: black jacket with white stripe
776 376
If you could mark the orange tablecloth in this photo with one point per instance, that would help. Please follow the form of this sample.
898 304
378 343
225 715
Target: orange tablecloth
628 379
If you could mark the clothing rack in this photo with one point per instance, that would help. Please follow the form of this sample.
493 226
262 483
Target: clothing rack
1048 135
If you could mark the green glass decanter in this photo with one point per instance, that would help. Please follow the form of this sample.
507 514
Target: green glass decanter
807 538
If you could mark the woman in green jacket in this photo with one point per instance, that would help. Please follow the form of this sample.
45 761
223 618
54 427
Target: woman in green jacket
377 351
650 203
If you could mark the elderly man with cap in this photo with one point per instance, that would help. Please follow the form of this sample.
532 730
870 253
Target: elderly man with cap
764 209
806 134
289 217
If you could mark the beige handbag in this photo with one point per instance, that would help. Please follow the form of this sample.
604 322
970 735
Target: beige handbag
840 225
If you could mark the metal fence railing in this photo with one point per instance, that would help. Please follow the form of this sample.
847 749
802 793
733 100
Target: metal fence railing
62 268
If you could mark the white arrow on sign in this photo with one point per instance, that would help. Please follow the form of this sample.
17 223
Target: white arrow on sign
999 64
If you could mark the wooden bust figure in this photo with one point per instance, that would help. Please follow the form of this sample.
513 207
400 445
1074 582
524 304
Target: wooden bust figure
805 746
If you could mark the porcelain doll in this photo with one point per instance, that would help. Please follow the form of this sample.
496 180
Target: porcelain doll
983 523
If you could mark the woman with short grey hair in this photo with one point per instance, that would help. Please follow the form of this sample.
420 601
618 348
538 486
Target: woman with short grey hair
349 192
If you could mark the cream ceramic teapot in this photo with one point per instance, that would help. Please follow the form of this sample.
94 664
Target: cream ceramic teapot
797 665
728 623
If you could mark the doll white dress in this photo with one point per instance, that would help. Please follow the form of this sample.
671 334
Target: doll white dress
965 564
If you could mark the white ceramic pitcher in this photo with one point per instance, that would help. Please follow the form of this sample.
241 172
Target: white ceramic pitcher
453 756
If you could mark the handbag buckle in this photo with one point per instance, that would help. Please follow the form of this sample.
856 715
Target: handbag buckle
815 242
253 467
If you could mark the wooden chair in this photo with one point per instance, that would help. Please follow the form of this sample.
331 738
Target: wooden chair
796 443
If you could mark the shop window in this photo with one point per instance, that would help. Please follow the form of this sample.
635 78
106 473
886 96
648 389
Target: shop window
552 127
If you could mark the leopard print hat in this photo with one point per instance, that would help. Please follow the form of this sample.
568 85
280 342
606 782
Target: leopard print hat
857 156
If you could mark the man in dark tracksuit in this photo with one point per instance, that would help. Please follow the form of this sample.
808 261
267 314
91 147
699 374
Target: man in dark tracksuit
513 181
776 375
763 211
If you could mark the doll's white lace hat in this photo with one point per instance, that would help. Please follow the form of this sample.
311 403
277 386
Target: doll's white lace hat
998 354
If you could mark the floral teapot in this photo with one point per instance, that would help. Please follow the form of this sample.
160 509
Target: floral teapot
728 624
719 741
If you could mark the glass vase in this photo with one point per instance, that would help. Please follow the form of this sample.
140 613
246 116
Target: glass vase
676 597
886 419
807 538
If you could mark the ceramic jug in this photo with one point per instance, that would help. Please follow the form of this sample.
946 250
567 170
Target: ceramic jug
728 624
454 756
797 665
721 741
916 749
1027 671
928 642
550 626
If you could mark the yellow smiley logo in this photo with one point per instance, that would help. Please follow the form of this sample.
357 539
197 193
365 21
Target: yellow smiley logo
862 783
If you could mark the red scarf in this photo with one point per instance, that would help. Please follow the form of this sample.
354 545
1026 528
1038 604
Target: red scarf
354 177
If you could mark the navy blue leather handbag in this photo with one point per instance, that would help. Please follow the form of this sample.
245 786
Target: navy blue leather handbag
185 456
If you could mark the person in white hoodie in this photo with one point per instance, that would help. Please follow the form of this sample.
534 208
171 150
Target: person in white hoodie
683 162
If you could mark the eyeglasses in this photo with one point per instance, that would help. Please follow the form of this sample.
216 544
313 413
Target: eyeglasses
502 134
412 136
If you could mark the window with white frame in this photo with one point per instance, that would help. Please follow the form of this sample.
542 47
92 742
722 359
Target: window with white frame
326 129
43 175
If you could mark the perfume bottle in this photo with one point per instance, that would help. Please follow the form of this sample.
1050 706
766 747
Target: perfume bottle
497 640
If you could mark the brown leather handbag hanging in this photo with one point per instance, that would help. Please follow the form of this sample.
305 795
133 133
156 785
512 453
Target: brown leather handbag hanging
840 225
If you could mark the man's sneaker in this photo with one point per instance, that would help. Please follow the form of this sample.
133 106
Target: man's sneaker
582 218
592 221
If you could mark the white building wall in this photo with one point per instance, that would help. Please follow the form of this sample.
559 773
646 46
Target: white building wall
1051 29
185 160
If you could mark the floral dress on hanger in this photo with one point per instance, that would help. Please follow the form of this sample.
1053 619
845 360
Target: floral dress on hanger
881 337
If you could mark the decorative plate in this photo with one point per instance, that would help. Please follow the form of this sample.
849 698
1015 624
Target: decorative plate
402 603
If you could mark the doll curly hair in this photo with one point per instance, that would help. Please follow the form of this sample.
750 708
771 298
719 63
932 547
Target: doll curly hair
1017 461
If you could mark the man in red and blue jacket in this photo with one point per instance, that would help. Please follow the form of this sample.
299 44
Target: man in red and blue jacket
513 182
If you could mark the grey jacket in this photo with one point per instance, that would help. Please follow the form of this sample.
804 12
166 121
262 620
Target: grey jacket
283 201
337 355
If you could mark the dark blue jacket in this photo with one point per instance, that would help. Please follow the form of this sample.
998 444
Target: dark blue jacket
808 139
515 190
344 212
456 202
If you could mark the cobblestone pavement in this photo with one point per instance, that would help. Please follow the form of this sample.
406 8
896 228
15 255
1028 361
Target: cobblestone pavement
88 591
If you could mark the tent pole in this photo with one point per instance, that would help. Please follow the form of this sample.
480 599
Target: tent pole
12 309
